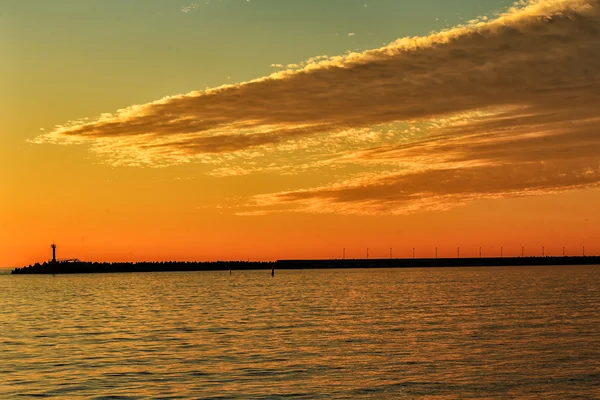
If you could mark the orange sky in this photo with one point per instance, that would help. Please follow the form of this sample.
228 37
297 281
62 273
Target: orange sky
442 140
122 231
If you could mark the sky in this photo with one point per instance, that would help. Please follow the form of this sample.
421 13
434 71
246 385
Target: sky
274 129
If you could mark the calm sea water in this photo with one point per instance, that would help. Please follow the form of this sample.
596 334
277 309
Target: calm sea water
341 334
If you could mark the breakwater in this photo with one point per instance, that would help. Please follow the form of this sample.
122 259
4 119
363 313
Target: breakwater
80 267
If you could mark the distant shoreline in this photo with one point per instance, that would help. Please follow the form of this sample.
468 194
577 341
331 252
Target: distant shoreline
80 267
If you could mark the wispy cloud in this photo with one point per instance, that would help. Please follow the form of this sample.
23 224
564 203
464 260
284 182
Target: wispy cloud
189 7
514 98
442 172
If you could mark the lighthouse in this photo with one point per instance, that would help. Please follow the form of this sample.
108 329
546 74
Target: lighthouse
53 252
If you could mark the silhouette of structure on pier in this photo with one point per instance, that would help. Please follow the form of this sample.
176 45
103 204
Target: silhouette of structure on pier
53 252
55 260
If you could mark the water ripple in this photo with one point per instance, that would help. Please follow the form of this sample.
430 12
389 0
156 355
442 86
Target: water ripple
421 333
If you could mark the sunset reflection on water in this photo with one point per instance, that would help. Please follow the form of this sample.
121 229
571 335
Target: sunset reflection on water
435 333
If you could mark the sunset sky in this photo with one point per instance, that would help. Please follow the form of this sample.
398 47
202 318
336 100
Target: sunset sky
269 129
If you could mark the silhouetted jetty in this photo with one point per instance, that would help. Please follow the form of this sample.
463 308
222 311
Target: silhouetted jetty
80 267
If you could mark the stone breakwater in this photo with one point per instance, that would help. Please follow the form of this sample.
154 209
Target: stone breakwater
80 267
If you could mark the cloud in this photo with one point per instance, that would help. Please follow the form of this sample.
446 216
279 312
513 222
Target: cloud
442 171
189 8
499 153
431 189
517 94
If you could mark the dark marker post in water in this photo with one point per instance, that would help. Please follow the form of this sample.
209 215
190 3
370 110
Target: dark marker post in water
273 271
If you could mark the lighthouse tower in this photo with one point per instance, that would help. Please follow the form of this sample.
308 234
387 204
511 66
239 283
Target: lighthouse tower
53 252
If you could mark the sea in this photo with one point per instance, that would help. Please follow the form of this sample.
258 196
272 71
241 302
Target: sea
440 333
